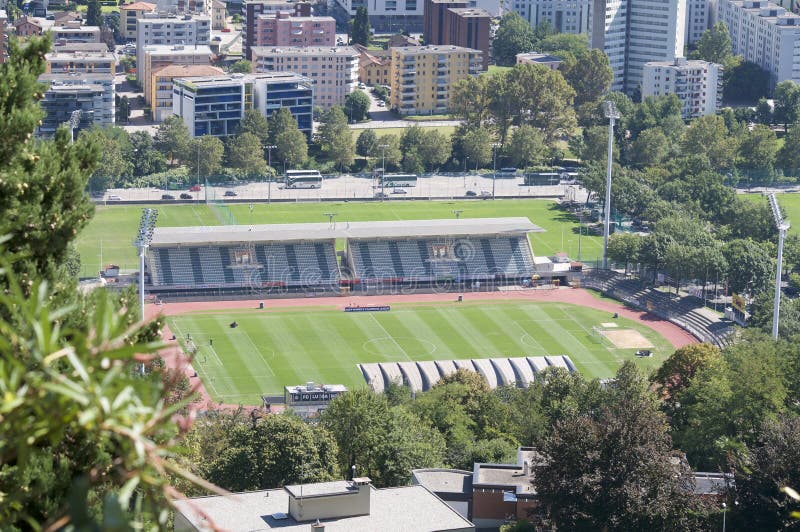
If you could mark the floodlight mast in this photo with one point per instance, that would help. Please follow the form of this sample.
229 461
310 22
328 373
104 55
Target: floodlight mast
782 227
610 111
146 226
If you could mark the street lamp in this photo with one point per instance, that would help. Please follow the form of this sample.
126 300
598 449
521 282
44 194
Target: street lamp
383 170
494 166
198 169
782 227
612 114
465 171
269 149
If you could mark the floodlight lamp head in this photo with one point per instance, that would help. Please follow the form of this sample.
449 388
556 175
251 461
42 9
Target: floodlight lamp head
776 210
610 110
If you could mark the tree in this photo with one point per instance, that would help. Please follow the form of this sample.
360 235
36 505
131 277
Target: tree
256 123
615 468
564 44
94 14
764 112
242 66
708 136
787 103
208 152
391 155
750 265
545 101
245 153
123 109
624 247
476 145
526 147
594 147
146 160
469 100
359 27
650 148
335 139
677 372
116 153
589 74
291 143
367 140
759 148
434 150
745 82
514 36
356 106
173 139
788 156
715 45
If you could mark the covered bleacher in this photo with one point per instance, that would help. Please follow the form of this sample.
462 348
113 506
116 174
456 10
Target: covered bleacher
263 258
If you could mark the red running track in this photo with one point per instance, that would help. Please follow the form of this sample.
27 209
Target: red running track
176 358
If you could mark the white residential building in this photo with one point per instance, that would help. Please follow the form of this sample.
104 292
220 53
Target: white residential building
765 34
333 70
388 16
634 32
698 84
698 19
566 16
160 29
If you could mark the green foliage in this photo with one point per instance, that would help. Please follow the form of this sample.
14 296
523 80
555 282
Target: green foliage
391 155
366 142
588 73
759 148
146 160
787 103
359 27
744 82
291 143
514 36
204 156
335 139
94 15
356 106
715 45
624 247
788 156
708 136
244 152
242 66
256 123
116 155
475 144
750 265
526 147
173 139
650 148
677 372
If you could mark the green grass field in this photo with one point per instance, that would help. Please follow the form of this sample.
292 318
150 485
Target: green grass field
271 349
444 130
113 228
790 202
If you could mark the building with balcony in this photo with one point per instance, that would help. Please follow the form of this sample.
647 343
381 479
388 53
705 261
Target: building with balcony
333 70
284 29
374 66
155 29
766 34
253 8
92 94
62 62
128 13
214 105
74 32
386 16
157 57
219 15
565 16
160 96
698 84
421 77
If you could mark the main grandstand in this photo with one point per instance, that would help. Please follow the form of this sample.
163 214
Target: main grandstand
237 259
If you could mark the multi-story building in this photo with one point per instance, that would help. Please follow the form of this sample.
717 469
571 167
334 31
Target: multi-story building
156 57
334 71
387 16
157 29
219 15
698 19
421 77
766 34
253 8
635 32
550 61
215 105
92 94
61 62
128 13
374 66
25 26
74 32
285 29
160 97
566 16
698 84
454 24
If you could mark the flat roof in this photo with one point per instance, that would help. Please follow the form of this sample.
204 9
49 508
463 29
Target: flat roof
309 51
391 510
503 475
165 236
440 480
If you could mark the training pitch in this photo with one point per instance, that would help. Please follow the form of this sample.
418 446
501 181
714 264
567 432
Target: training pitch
273 348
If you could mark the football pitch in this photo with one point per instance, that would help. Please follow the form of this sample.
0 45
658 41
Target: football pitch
273 348
111 232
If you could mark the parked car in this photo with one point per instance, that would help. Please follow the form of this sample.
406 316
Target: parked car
399 191
471 193
216 38
230 194
225 30
186 196
486 194
380 195
167 197
114 197
195 188
381 103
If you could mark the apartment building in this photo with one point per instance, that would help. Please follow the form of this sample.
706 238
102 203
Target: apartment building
129 13
74 32
155 29
455 24
766 34
698 84
61 62
92 94
253 8
285 29
157 57
421 77
215 105
25 26
160 96
374 66
334 71
387 16
635 32
699 16
566 16
219 15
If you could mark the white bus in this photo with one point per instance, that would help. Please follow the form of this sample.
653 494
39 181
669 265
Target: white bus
303 179
399 180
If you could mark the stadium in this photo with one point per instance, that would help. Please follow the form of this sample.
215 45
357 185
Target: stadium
261 307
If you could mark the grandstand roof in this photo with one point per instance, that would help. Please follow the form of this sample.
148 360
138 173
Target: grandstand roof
166 236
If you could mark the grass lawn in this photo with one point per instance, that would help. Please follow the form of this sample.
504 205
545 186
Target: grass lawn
789 202
103 9
495 69
271 349
445 130
114 227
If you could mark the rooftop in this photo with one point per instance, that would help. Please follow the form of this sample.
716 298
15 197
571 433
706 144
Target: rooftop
471 12
539 58
166 236
441 481
224 80
188 70
391 510
321 489
77 78
80 47
87 55
347 51
431 49
509 476
139 6
171 49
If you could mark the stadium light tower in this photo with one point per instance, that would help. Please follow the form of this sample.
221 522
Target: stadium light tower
269 149
73 122
146 226
782 226
612 114
383 169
